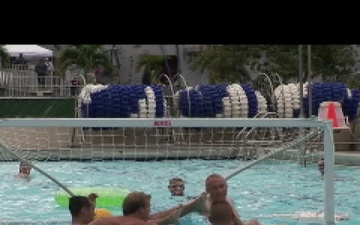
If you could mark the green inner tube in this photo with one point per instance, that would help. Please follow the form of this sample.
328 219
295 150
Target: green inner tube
109 197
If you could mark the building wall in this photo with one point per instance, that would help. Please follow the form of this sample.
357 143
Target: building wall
129 54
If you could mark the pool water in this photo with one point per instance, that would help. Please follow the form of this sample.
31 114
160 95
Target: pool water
271 187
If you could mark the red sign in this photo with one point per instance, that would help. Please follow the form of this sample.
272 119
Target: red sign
162 123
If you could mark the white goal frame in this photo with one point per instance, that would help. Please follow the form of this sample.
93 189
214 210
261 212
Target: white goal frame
329 158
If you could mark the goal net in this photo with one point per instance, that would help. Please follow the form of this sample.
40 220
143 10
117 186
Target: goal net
57 147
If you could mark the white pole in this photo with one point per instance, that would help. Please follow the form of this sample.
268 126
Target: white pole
302 153
300 77
329 161
309 79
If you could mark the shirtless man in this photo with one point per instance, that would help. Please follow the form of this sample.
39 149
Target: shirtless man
216 187
221 213
136 211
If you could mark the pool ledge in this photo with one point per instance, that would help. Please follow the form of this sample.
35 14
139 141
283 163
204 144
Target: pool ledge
348 158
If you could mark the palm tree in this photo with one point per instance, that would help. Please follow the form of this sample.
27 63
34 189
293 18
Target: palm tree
4 57
85 57
153 67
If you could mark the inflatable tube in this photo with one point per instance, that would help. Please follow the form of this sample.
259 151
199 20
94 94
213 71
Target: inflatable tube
102 213
109 197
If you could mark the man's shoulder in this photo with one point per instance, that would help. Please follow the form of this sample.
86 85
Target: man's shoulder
112 220
230 200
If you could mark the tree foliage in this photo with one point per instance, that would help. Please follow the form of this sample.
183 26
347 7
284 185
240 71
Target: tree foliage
330 62
241 63
154 65
227 63
86 57
4 56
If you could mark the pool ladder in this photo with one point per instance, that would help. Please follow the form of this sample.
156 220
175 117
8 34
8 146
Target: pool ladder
250 139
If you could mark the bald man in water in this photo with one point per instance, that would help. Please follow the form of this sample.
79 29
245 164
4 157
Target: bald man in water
216 187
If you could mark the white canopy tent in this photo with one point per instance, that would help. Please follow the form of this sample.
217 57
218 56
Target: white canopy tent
28 51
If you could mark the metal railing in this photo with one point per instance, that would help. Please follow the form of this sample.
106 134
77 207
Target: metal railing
18 83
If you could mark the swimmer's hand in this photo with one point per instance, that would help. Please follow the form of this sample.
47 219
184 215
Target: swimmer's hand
200 202
252 222
172 218
175 215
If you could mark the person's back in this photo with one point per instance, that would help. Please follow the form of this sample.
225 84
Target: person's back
41 70
20 62
122 220
136 211
50 65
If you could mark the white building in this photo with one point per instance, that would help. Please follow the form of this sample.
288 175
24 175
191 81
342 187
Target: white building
128 55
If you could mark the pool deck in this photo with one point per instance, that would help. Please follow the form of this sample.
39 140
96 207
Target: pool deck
349 158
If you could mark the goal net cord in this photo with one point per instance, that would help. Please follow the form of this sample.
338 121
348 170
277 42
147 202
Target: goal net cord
275 152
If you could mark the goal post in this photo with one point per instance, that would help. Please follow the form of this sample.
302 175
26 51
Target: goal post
250 139
329 161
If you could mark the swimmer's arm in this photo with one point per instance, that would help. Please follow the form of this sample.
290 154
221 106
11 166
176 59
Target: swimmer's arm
190 206
185 209
162 214
195 205
160 221
171 218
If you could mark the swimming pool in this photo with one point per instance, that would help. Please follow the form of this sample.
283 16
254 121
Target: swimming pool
264 190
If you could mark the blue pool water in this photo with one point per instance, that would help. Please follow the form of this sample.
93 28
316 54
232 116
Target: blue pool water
265 189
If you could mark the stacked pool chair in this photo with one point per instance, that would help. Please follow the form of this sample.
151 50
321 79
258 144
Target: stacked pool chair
121 101
160 102
262 104
252 100
321 92
221 95
85 99
191 103
137 101
238 101
350 102
207 95
220 101
212 95
284 95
